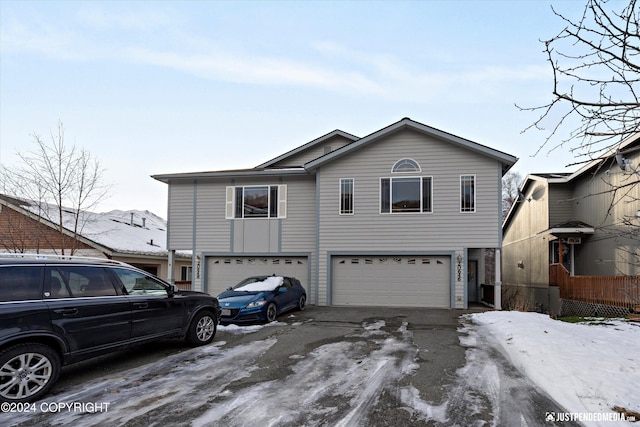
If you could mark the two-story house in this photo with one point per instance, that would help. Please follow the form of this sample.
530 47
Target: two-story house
400 217
581 224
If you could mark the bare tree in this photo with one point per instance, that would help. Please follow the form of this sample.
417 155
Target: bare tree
511 183
60 181
596 70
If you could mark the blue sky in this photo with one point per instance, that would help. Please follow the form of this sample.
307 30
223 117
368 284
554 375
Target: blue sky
161 87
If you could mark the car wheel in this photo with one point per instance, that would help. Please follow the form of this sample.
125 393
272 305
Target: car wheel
272 311
302 302
202 329
27 372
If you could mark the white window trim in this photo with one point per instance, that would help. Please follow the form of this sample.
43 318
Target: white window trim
353 192
475 192
391 178
404 159
230 205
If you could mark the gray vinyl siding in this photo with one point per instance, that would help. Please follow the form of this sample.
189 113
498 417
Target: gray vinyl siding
298 229
560 204
213 232
295 233
446 229
313 153
609 251
523 243
180 216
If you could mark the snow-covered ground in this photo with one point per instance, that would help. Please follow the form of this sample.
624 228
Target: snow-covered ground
588 368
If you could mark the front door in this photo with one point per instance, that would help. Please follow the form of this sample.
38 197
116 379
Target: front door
472 281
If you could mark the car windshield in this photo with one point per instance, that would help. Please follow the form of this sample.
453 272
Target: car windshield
257 284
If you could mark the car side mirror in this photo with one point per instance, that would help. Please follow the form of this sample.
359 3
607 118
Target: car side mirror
171 290
282 289
229 288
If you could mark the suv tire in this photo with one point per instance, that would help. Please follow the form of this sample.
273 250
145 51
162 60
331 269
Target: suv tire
202 329
27 372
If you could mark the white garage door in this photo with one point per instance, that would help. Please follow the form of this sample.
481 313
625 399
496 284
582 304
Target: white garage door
419 281
223 272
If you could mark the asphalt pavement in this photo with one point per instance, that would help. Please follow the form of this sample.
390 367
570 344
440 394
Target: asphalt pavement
325 366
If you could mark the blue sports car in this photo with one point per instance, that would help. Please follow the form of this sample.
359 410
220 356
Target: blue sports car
261 299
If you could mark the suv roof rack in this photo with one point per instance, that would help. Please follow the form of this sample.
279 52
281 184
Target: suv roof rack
62 257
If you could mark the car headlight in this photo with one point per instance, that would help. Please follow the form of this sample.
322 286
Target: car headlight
256 304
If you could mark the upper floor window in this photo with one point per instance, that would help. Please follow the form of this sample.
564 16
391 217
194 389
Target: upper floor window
467 193
405 195
405 166
260 201
346 196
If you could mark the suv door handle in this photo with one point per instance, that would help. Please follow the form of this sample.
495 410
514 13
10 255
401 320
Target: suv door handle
141 304
67 311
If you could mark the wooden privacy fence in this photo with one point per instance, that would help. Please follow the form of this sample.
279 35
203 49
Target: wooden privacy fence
620 291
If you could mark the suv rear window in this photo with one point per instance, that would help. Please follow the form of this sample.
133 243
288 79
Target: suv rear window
20 283
80 282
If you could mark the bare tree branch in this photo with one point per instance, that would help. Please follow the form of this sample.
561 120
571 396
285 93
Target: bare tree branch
596 74
59 175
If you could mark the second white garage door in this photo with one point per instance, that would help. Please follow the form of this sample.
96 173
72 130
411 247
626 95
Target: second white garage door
419 281
228 271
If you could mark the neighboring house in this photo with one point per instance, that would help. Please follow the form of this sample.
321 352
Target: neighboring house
401 217
135 237
575 220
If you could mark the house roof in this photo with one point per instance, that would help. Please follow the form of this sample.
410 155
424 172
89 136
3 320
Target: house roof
308 146
629 144
131 233
406 123
570 227
236 173
266 168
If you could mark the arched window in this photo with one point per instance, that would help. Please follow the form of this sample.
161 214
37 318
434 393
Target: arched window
405 165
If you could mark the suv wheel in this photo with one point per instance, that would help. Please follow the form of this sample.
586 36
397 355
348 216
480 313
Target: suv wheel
202 329
27 372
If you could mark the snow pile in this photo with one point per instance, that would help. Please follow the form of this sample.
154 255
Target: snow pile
586 367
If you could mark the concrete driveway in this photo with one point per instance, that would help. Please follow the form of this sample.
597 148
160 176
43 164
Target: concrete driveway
326 366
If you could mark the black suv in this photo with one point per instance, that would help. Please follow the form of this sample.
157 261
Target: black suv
55 311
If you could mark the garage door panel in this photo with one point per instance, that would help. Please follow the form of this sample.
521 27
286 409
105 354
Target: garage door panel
419 281
223 272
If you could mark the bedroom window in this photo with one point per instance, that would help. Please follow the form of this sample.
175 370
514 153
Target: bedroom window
346 196
406 195
260 201
467 193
